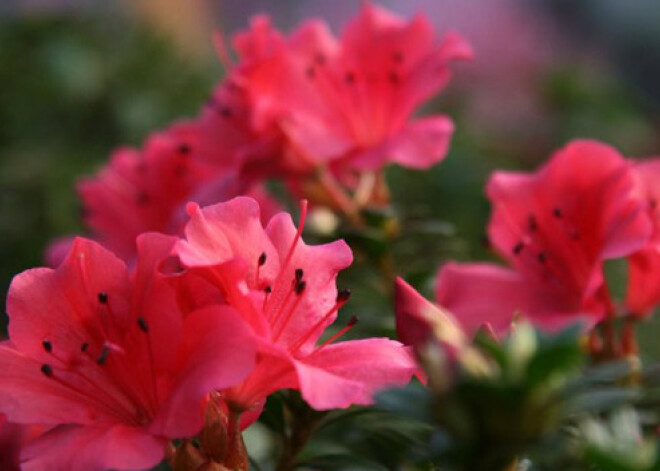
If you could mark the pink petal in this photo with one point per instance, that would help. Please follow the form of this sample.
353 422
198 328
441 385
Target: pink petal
28 396
556 226
418 320
320 265
155 300
221 232
218 352
647 188
644 281
57 250
419 145
346 373
77 448
481 294
62 305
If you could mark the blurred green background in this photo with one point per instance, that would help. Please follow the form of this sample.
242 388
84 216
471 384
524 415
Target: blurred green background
78 78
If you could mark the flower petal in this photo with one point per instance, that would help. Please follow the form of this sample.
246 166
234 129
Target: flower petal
77 448
418 320
346 373
218 352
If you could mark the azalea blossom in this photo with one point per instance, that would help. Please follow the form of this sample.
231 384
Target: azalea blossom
286 290
106 360
555 227
347 102
644 266
143 190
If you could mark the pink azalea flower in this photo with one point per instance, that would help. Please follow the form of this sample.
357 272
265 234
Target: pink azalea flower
348 101
644 266
146 190
286 290
555 227
105 359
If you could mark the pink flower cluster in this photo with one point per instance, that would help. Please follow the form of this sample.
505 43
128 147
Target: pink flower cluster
198 295
115 362
309 108
179 306
555 228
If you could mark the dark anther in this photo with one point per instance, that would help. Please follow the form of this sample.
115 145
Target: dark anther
518 248
225 111
48 346
352 321
397 56
142 324
541 257
343 295
184 149
300 287
84 347
299 274
575 235
47 370
103 297
262 259
349 78
268 289
311 73
103 357
531 223
393 77
556 212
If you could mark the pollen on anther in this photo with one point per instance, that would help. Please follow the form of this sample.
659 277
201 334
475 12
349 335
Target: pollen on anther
518 248
557 213
531 223
47 370
142 324
541 257
262 259
268 289
300 287
84 347
48 346
184 149
103 297
299 274
103 357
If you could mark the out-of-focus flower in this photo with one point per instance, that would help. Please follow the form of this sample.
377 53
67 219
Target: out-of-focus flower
143 190
348 102
644 266
286 290
436 336
555 227
107 361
